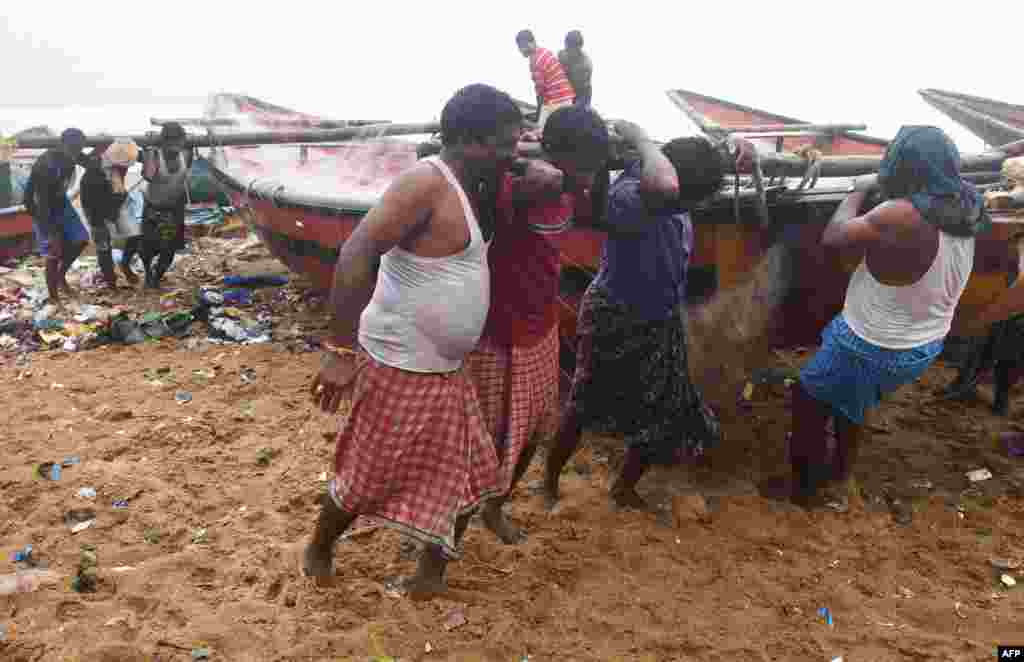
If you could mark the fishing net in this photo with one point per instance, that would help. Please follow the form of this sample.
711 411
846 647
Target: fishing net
729 335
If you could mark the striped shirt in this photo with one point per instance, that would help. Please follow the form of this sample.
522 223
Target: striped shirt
549 78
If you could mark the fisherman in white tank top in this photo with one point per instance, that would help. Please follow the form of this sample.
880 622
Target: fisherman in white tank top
918 254
414 451
166 169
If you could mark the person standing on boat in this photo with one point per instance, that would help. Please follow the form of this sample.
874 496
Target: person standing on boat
553 87
60 233
577 66
103 193
414 450
515 366
632 371
918 247
166 169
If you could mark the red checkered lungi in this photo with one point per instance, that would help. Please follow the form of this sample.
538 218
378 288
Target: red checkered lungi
518 390
414 452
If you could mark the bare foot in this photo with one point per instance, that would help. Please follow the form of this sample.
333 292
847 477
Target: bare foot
130 275
316 563
626 498
417 587
550 494
495 519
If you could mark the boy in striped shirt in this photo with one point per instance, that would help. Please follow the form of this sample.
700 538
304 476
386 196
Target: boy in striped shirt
553 87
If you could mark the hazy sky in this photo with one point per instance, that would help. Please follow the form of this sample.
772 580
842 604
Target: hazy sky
823 62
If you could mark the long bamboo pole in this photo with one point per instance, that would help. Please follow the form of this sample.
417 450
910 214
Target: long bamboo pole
793 128
790 165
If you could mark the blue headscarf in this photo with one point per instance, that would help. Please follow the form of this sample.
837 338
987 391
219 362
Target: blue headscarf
923 165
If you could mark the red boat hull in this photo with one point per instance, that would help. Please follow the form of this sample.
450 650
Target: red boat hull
728 114
16 238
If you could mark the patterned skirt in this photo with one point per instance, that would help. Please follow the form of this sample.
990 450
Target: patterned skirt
414 452
633 378
518 391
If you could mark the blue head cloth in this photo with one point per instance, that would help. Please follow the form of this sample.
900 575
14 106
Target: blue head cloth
922 165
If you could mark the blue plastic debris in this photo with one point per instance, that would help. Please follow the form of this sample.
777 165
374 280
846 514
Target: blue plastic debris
826 615
71 461
55 472
260 280
239 296
22 555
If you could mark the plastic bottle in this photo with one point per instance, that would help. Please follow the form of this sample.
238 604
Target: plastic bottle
26 581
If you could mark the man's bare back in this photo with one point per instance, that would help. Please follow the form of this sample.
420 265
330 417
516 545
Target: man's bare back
900 246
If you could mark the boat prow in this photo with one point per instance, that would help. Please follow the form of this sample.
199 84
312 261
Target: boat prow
995 122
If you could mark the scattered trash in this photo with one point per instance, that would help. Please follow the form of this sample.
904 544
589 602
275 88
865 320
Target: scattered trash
1014 443
82 526
456 619
120 504
921 484
71 461
7 632
1005 564
183 397
151 536
88 568
748 391
239 297
87 492
979 475
260 280
26 581
956 608
264 456
200 537
79 515
427 648
48 471
825 615
23 556
1008 581
200 653
248 375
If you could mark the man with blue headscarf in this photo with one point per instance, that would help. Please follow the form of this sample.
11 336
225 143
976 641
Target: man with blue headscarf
918 248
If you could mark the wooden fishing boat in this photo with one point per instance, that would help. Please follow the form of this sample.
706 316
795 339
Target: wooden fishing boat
16 238
304 201
995 122
717 116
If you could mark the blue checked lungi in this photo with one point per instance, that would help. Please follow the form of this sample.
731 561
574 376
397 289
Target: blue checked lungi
852 375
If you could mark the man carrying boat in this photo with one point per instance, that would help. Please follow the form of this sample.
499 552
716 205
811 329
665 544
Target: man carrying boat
553 87
632 371
414 450
60 233
103 193
515 365
918 249
167 169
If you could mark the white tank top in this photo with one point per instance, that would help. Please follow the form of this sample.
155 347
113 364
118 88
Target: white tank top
427 313
911 315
